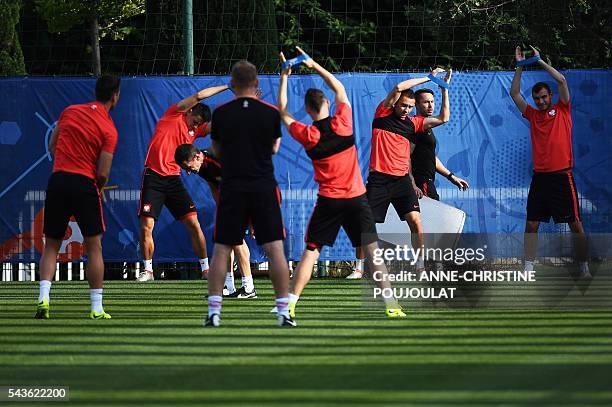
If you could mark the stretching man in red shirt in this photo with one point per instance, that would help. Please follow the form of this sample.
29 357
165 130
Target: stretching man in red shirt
341 202
161 181
390 180
552 191
82 144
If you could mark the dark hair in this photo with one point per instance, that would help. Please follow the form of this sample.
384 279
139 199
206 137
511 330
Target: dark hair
106 87
539 86
202 110
185 152
407 93
244 74
418 93
314 99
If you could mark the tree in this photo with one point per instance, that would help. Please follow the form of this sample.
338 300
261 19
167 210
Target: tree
11 57
234 30
105 17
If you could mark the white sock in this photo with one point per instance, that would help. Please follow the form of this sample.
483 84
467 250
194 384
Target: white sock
282 305
214 304
247 283
204 264
45 287
359 265
391 302
95 294
148 265
529 265
293 298
229 282
420 264
584 267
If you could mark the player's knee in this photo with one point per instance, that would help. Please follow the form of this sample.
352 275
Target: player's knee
414 223
93 243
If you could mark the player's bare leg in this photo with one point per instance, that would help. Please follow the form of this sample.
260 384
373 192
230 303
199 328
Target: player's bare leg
417 237
95 275
48 261
198 241
147 247
530 243
580 243
279 274
216 278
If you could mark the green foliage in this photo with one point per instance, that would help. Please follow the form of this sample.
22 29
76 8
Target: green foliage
113 15
237 29
11 57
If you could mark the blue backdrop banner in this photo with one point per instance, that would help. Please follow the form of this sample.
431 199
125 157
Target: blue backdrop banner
486 142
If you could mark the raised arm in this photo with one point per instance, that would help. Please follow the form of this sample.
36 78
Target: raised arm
286 117
444 115
562 87
334 84
515 88
397 90
190 101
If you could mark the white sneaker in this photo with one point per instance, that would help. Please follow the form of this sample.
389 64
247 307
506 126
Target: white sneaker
275 310
214 321
355 275
145 276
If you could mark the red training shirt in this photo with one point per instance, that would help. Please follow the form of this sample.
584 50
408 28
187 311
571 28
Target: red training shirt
85 130
170 132
337 172
391 135
551 137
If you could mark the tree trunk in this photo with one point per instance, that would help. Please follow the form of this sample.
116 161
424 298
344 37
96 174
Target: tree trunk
95 46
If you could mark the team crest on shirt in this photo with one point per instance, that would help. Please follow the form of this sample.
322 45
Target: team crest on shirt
146 208
191 133
94 107
552 113
245 104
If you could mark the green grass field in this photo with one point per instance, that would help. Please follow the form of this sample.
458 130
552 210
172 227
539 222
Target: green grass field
155 351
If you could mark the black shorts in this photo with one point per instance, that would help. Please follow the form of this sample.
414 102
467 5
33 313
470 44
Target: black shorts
428 187
75 195
210 170
158 190
353 214
553 194
385 189
239 209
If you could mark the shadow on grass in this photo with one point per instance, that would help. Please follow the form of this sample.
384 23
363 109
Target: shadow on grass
347 384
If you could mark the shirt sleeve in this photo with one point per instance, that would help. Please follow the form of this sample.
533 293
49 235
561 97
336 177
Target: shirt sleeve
342 122
417 121
110 140
278 132
382 111
308 136
213 128
172 110
528 113
561 105
201 129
